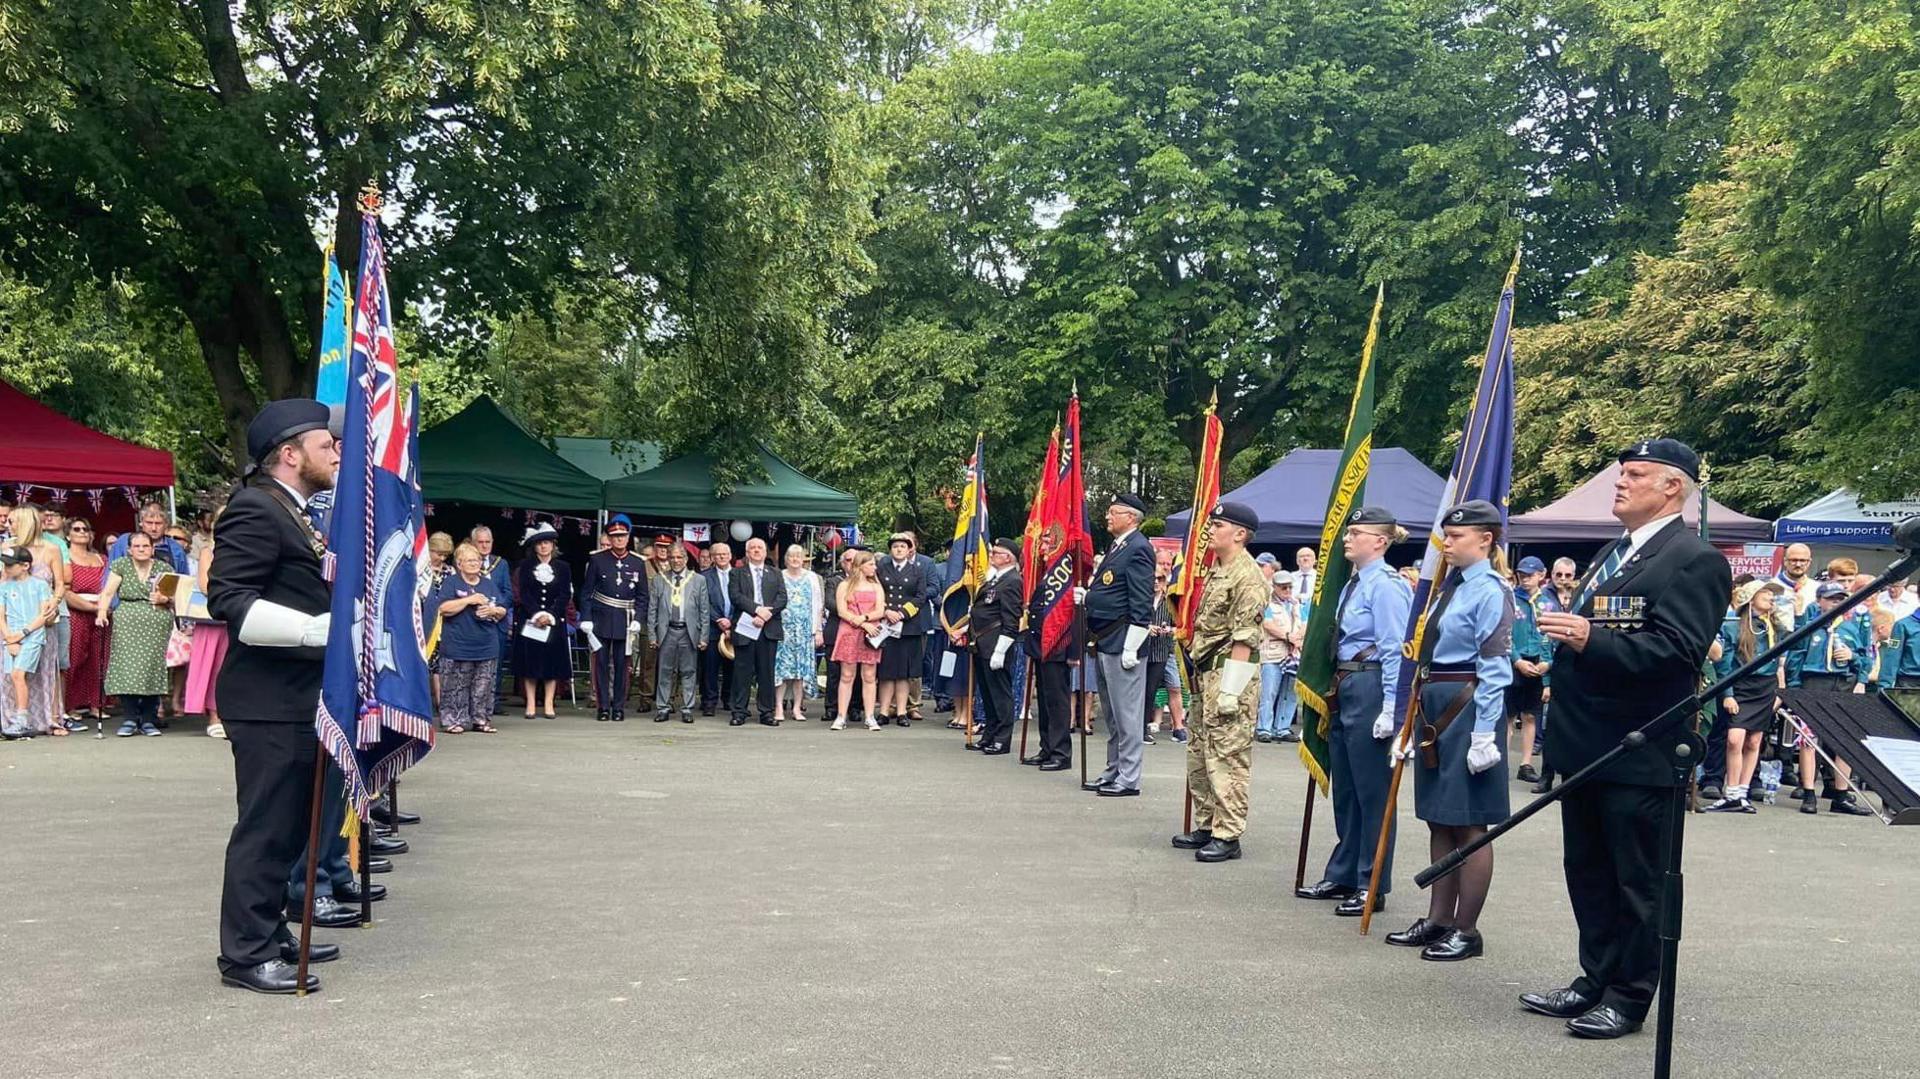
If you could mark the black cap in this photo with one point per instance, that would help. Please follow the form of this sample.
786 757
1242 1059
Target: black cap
1830 590
1236 513
15 556
1666 451
1010 546
1131 501
1372 515
1474 513
282 420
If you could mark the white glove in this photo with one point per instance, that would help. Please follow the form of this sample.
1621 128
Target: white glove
1130 651
999 660
1235 676
1383 725
1483 752
1397 752
269 625
1079 594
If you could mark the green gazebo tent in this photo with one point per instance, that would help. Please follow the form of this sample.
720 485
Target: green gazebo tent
482 455
606 458
682 489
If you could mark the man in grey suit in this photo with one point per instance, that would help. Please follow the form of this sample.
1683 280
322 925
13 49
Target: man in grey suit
677 623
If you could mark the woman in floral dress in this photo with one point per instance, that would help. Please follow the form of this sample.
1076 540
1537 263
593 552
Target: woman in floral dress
793 662
142 622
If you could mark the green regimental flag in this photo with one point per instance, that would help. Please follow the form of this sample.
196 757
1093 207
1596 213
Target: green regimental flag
1349 488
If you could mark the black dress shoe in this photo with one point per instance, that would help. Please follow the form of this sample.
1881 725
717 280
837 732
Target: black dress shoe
1058 764
1114 790
995 749
619 717
328 913
349 892
602 716
1326 889
1544 786
1193 840
1458 944
1809 802
769 722
382 845
972 746
1418 935
662 717
903 721
379 865
1093 784
1037 758
316 953
687 718
383 813
1356 904
1603 1022
1558 1003
272 976
1526 773
736 722
706 711
1220 850
1848 805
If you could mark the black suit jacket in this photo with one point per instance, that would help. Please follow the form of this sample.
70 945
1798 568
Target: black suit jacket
1121 593
773 596
996 611
1627 676
907 588
261 552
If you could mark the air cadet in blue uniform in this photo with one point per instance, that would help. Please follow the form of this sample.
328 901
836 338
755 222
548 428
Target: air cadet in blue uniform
1370 625
1900 655
1833 659
1459 769
616 593
1119 604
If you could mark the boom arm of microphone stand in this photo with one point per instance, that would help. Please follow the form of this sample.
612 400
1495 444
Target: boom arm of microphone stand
1909 561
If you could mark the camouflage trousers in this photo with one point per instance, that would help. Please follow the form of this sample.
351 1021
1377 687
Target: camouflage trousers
1220 759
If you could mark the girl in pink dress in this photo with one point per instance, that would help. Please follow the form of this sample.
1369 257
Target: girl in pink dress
859 601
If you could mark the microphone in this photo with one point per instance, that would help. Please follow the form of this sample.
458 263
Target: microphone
1906 534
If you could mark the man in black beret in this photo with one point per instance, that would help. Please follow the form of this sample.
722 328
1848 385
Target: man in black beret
993 628
1630 646
266 585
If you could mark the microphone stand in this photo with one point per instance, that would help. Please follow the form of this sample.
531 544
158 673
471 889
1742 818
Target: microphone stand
1682 753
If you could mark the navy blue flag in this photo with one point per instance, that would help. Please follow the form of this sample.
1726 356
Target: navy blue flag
1482 468
376 698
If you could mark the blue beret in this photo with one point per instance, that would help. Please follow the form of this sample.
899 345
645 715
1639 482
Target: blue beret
1372 515
1131 501
282 420
1666 451
1473 513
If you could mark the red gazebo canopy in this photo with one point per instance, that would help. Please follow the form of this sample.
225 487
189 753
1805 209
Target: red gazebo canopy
40 446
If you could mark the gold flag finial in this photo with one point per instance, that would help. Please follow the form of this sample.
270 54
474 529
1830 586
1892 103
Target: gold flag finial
370 201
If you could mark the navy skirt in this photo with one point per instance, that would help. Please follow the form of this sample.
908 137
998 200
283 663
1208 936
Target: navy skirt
1449 794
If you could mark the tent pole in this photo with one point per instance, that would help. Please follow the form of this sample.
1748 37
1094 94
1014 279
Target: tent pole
173 514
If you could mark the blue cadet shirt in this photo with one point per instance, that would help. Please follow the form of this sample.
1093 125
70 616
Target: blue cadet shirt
464 636
1900 656
1477 628
1815 654
1764 638
1373 610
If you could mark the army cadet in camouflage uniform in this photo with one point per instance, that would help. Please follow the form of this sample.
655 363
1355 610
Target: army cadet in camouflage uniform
1224 650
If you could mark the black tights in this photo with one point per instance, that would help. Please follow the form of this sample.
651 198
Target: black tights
1457 897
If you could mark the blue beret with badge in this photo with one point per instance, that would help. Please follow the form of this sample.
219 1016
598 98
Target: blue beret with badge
1131 501
1373 515
1473 513
282 420
1665 451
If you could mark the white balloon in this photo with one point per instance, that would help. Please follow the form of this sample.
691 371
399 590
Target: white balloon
741 531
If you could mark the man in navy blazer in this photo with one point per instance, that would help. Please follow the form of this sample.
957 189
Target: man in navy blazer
1119 604
716 673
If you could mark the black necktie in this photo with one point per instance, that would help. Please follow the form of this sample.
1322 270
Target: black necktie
1430 636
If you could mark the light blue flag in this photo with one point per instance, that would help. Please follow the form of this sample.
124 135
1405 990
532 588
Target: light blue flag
330 386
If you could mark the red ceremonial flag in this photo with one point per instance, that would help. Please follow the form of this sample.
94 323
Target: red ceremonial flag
1036 517
1065 545
1196 555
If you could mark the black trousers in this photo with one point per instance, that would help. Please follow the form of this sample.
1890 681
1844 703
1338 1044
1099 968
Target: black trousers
855 710
753 666
716 674
1056 709
1714 773
1611 838
273 790
996 694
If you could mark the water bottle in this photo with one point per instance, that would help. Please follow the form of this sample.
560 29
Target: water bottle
1770 782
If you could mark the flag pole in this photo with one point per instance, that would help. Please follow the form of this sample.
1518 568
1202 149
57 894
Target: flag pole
1402 743
966 721
1026 708
1306 830
366 871
313 867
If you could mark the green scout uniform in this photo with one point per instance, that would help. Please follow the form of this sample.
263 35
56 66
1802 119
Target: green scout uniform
1220 745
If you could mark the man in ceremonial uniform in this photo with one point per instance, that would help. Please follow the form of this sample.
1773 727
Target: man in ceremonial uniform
1629 648
1369 626
1119 605
616 594
678 627
907 584
647 651
1226 635
1053 676
993 628
266 583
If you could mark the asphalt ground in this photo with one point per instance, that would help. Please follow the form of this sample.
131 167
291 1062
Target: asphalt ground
644 900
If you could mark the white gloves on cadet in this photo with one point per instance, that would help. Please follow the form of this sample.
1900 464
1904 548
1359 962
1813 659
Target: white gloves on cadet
269 625
1235 676
1079 594
1130 651
1483 752
1383 725
1396 752
999 660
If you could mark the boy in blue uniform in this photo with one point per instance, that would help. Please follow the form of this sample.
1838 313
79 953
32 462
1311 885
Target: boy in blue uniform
25 602
1900 655
1526 697
1832 659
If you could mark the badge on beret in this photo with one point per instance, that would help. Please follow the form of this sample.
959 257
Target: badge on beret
1107 577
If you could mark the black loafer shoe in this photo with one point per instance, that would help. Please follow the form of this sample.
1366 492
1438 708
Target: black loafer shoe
328 913
1544 786
1057 765
1037 758
379 865
996 749
1219 850
316 953
688 718
619 717
769 723
903 721
1418 935
973 747
349 892
601 717
1558 1003
1526 773
272 976
1458 944
1848 805
662 718
1113 790
1093 784
1810 802
1602 1022
1356 904
1326 889
1193 840
389 847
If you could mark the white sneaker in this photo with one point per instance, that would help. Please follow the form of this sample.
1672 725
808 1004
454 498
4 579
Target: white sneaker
216 730
871 725
839 723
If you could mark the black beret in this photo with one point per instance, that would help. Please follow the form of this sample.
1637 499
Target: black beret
1476 513
1131 501
282 420
1236 513
1372 515
1666 451
1011 546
